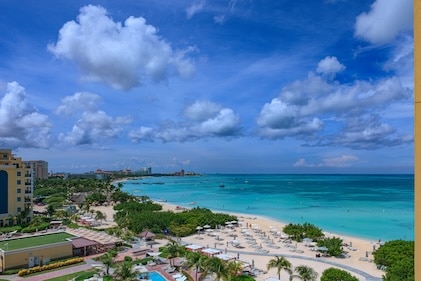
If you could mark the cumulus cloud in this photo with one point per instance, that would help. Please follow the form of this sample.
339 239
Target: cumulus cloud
121 55
93 125
79 101
341 161
194 8
204 119
368 132
21 125
324 112
329 66
385 21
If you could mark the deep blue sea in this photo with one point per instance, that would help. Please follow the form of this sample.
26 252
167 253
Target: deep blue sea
366 206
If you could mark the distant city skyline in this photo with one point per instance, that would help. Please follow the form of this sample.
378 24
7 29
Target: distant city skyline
233 86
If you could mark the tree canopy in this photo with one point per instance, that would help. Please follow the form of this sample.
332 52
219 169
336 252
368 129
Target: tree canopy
334 274
398 258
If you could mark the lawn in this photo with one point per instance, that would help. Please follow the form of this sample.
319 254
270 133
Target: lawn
81 275
33 241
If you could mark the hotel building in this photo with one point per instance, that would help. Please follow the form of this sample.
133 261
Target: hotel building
16 189
39 167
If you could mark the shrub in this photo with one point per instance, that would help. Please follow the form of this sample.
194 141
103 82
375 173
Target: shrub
50 266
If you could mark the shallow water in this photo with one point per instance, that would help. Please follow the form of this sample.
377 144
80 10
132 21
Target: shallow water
366 206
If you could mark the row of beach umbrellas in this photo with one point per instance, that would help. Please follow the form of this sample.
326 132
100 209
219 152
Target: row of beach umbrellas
228 223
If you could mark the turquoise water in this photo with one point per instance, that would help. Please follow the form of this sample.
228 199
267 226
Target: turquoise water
367 206
155 276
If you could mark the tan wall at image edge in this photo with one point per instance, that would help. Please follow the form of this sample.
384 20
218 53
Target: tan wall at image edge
417 129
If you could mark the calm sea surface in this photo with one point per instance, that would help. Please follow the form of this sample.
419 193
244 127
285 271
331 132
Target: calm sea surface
367 206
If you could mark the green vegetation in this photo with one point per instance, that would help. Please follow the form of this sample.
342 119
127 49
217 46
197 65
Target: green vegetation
280 263
26 242
305 273
299 231
137 214
78 276
334 245
146 215
334 274
397 257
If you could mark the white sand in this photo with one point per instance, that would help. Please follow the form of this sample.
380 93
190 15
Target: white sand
249 254
361 246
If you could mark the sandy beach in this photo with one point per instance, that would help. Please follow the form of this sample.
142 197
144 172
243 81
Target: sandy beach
260 241
252 227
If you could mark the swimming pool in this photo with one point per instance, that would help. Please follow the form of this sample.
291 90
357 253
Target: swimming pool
154 276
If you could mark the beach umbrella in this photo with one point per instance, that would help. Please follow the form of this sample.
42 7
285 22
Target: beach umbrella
199 228
206 226
322 249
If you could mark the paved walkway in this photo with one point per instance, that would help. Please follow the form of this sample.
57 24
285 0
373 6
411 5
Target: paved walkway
89 261
51 274
367 276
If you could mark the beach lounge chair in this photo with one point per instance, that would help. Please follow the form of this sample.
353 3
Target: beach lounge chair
182 278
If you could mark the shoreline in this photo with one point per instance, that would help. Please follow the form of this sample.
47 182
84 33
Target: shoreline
361 220
359 258
358 263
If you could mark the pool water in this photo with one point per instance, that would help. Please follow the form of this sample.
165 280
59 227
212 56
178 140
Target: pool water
155 276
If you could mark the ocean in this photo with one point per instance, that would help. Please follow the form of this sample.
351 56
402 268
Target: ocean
367 206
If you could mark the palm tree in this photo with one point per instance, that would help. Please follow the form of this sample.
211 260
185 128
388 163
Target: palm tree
216 266
306 273
100 216
108 260
125 272
196 260
172 250
234 268
280 263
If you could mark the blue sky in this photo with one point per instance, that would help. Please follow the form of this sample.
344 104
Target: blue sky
233 86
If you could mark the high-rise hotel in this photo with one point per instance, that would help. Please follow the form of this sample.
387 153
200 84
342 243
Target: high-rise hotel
16 189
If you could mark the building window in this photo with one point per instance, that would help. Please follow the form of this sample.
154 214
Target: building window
19 209
18 173
18 182
19 199
18 190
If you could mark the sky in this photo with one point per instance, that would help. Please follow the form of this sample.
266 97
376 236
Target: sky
221 86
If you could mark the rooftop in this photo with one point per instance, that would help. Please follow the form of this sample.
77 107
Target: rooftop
32 241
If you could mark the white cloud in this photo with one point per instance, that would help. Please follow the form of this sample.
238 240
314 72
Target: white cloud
194 8
330 66
335 162
93 125
21 125
385 21
204 119
321 112
121 55
402 61
79 101
201 110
